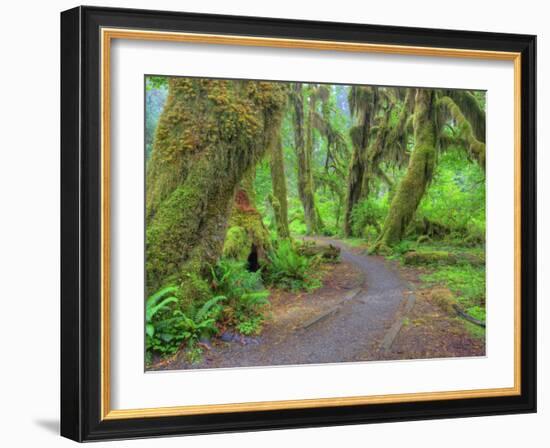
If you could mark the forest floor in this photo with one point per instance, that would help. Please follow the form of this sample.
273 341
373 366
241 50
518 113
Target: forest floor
368 308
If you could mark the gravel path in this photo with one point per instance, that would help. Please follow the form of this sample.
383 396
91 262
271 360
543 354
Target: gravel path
353 330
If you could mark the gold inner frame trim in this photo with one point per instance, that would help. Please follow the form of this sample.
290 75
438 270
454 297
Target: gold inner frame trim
107 35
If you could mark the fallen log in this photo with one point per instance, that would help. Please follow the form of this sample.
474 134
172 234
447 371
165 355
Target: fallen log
327 253
445 299
442 258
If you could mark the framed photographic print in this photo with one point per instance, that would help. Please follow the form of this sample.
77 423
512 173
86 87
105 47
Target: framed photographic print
272 223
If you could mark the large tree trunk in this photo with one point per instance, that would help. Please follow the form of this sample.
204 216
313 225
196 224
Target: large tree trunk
362 103
419 173
354 187
210 134
278 183
304 153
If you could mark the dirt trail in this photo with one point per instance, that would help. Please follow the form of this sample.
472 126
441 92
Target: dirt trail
351 328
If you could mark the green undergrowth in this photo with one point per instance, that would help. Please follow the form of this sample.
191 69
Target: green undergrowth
467 284
246 295
455 267
168 326
238 300
290 270
474 330
450 247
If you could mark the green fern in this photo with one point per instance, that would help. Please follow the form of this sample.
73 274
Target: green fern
289 269
244 290
153 306
255 299
208 306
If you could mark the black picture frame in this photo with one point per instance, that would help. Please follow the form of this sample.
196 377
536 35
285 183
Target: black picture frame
81 226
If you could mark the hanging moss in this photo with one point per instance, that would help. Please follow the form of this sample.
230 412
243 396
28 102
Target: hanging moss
278 182
418 175
399 132
210 133
376 151
380 136
303 140
362 101
471 109
476 148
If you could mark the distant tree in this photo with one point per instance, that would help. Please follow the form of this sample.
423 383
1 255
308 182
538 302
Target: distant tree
303 145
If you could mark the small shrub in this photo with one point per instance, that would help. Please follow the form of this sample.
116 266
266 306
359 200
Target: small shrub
297 227
232 279
245 292
367 217
250 326
403 247
155 305
291 270
203 323
167 327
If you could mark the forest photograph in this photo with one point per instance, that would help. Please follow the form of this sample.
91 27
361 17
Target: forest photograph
291 223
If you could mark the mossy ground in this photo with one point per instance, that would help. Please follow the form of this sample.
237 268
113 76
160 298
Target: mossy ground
454 275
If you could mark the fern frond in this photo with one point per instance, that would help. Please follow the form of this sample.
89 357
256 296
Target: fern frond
201 314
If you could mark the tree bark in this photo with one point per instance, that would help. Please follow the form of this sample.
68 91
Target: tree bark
361 104
419 173
278 183
355 182
304 153
210 134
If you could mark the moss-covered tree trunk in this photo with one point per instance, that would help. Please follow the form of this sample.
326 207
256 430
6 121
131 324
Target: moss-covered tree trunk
375 151
303 142
354 186
278 183
361 102
469 118
471 109
247 237
419 172
209 135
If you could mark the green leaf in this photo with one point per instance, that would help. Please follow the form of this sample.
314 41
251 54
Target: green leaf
151 311
201 314
153 299
166 337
